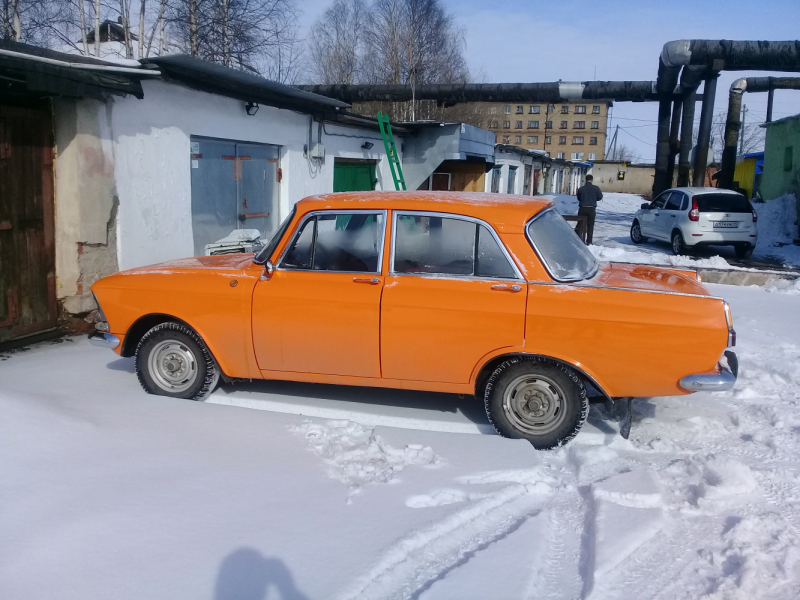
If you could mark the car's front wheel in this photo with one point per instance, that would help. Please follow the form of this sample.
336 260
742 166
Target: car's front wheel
636 233
536 399
172 360
678 245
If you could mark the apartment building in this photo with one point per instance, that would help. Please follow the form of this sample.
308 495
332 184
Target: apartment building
572 131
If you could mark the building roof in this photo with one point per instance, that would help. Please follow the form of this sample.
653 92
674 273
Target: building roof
30 70
111 31
218 79
783 120
507 212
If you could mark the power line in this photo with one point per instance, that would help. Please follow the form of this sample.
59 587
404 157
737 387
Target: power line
636 138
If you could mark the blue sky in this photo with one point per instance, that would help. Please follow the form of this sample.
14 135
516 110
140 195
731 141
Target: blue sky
572 40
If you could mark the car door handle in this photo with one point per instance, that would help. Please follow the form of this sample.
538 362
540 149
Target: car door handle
673 216
506 288
373 281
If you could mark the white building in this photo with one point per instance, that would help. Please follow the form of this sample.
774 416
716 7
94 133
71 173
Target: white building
149 164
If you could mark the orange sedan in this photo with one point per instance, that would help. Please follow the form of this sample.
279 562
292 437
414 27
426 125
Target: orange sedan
485 294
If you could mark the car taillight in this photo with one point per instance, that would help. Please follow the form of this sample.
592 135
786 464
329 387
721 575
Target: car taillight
694 214
755 217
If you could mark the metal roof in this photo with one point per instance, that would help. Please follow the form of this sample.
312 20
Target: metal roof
30 70
211 77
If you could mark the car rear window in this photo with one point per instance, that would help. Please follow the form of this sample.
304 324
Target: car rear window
734 203
563 253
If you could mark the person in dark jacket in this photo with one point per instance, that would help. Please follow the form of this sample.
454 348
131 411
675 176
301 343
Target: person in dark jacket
588 197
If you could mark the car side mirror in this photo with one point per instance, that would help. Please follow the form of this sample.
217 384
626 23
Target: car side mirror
645 206
267 271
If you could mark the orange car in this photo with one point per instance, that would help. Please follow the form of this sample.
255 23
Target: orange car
485 294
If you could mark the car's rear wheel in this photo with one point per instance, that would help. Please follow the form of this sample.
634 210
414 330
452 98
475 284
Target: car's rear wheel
636 233
536 399
172 360
743 250
678 245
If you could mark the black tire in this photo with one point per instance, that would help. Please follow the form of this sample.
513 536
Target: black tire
182 367
743 250
636 233
551 389
678 245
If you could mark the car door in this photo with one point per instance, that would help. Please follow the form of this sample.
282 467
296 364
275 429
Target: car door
668 216
649 216
319 312
452 296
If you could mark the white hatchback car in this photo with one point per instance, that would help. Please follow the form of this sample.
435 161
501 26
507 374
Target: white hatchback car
689 217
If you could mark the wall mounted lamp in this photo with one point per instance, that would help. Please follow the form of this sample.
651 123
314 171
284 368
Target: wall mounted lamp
251 108
367 145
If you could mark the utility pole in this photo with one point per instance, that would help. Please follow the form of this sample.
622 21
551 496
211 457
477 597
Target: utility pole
613 144
741 132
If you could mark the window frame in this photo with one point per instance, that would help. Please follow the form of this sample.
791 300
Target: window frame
382 242
396 213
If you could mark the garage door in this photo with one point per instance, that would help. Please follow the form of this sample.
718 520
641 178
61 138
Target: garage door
353 176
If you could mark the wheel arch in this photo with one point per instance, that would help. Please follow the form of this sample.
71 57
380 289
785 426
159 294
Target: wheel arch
144 324
489 366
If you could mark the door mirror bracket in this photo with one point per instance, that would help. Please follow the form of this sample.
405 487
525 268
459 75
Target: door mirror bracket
267 271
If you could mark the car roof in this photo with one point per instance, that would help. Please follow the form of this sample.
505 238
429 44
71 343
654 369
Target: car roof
693 191
499 209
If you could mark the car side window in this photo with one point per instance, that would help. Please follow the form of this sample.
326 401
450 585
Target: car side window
490 261
674 202
447 246
660 201
344 242
684 202
299 254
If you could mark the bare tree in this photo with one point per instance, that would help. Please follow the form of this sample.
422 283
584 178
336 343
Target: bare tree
390 41
337 43
621 153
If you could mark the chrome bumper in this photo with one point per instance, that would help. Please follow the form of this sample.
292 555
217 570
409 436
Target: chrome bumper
104 340
714 382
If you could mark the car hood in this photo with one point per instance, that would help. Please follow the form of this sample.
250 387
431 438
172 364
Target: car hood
225 262
647 278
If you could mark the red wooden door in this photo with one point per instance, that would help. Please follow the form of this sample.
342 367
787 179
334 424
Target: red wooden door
27 237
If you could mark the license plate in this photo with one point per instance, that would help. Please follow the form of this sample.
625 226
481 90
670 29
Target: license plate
726 224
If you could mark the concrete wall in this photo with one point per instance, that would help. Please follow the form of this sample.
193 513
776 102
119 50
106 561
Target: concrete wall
779 177
638 178
123 168
85 197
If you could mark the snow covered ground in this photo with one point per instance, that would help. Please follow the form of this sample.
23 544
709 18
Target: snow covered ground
776 230
335 492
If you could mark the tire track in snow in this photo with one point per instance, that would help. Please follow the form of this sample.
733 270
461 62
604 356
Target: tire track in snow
558 576
413 563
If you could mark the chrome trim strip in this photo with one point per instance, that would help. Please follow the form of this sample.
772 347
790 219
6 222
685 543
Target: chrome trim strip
103 340
620 289
418 213
539 254
307 216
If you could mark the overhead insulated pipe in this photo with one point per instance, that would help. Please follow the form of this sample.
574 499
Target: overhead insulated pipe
660 182
733 123
674 139
704 133
703 59
454 93
687 128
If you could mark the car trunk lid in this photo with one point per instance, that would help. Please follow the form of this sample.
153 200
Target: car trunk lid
647 278
720 212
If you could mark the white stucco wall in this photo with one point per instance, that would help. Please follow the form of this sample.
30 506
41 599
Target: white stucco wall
152 169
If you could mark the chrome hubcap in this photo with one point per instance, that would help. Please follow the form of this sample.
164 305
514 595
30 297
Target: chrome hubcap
636 232
173 366
534 404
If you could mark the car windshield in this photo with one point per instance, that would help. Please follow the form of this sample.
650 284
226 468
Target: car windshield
563 253
714 202
264 254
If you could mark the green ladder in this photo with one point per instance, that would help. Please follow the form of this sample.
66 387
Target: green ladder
391 152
